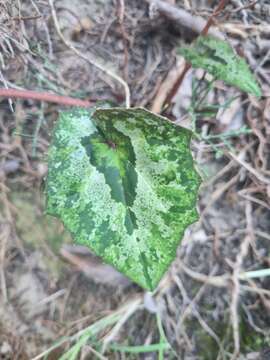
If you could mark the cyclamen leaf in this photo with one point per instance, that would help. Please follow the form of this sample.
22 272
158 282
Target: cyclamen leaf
123 183
218 58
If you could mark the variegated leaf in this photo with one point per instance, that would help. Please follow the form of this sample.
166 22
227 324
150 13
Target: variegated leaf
123 183
218 58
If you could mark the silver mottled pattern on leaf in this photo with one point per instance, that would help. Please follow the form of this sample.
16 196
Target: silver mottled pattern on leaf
219 59
123 183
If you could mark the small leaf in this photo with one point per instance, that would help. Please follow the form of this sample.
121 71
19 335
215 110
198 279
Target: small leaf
218 58
123 183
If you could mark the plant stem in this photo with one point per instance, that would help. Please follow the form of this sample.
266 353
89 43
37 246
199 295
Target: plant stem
43 96
209 23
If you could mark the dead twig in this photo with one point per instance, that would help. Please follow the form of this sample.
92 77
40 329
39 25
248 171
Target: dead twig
26 18
165 87
115 330
218 281
3 241
182 17
204 31
243 7
235 279
191 308
221 189
121 16
249 168
43 96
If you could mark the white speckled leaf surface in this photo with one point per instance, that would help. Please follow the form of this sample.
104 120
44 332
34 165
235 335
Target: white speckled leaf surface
219 59
123 183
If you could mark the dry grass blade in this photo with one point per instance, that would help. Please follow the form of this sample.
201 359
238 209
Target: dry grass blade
89 58
249 168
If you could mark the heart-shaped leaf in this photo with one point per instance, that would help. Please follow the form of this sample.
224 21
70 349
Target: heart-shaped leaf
123 183
219 59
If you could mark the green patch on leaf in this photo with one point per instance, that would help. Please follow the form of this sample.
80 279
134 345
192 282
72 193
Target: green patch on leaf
123 183
219 59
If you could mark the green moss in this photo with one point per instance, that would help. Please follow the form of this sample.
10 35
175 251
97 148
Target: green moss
250 339
208 348
37 231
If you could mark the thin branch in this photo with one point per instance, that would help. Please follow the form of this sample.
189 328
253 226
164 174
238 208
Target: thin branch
205 30
177 84
249 168
236 291
43 96
217 11
87 58
182 17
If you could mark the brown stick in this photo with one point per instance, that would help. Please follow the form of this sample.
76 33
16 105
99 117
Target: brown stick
209 23
177 84
43 96
182 17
